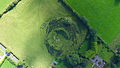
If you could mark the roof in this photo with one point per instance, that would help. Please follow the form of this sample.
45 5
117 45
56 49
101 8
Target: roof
98 61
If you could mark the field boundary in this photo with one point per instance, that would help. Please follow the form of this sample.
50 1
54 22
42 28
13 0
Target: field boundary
10 7
13 59
81 19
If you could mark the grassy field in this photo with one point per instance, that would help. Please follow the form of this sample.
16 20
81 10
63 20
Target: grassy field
102 15
21 32
4 4
7 64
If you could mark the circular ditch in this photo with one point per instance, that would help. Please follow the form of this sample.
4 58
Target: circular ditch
63 36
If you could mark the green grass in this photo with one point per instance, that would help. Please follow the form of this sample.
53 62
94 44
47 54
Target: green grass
7 64
84 47
4 4
102 15
89 65
21 32
106 55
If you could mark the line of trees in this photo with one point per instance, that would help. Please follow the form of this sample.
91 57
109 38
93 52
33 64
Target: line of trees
10 7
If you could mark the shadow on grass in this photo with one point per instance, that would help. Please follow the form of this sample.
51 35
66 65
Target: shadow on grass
117 2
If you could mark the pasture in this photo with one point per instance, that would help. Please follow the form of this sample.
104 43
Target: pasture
102 15
22 30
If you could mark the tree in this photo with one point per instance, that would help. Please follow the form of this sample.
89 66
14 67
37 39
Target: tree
115 61
75 61
89 54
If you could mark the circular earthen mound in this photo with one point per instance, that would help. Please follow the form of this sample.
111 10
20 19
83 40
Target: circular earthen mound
63 36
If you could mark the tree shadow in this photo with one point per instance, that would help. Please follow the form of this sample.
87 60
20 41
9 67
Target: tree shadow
117 2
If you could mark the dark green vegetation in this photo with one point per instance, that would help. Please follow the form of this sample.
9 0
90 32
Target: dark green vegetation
115 63
102 15
64 35
80 56
64 44
63 41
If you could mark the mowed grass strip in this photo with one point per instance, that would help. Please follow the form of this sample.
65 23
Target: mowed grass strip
102 15
4 4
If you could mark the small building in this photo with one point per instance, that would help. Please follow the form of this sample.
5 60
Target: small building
99 62
54 63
